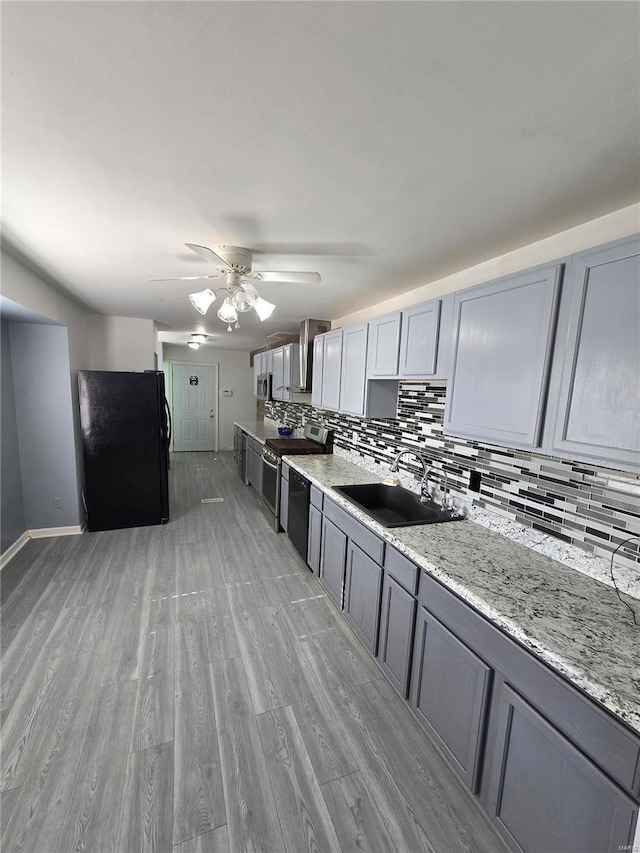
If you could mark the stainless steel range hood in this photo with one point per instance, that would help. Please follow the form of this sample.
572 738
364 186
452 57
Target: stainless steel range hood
308 330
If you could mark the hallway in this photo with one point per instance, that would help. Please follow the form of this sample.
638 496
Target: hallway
188 687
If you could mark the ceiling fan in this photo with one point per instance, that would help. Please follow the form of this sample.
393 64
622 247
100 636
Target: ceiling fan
235 266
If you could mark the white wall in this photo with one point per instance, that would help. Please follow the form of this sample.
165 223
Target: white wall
621 223
234 374
121 343
12 521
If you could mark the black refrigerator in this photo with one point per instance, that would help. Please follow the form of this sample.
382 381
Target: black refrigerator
125 425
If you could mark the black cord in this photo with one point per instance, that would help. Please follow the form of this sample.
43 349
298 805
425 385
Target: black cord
615 585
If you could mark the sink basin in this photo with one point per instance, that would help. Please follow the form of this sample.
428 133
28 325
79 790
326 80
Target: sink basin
394 506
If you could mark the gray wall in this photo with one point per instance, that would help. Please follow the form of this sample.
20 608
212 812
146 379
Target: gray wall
12 520
44 418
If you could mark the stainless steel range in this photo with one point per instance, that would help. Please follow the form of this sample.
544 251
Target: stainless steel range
317 439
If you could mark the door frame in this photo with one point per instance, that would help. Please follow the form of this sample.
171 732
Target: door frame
214 392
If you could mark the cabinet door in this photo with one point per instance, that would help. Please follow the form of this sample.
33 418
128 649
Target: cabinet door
254 469
332 562
397 618
284 503
363 583
545 795
330 398
316 374
502 351
267 361
354 369
383 345
277 383
450 693
419 339
599 397
313 542
257 369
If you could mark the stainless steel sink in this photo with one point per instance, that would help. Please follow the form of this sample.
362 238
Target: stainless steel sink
394 506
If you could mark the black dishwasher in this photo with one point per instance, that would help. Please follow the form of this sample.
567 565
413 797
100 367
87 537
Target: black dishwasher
298 527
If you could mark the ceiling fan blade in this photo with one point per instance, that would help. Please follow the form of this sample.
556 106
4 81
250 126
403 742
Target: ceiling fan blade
291 276
347 250
185 277
208 255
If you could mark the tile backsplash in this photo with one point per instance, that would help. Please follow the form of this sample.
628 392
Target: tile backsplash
572 501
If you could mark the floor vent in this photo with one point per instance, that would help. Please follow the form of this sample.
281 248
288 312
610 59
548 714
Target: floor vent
211 500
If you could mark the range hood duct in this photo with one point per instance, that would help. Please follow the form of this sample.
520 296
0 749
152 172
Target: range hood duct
308 330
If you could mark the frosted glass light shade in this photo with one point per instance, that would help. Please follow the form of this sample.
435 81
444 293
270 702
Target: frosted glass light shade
199 338
244 299
202 301
193 344
263 308
227 311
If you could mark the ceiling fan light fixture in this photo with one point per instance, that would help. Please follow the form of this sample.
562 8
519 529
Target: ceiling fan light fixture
227 311
263 308
193 344
202 300
198 338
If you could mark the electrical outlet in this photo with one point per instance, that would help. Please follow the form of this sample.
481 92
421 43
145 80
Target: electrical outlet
57 503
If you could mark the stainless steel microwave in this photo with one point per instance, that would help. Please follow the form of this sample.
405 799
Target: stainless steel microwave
263 386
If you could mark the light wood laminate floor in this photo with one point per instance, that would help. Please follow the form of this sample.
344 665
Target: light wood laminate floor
188 687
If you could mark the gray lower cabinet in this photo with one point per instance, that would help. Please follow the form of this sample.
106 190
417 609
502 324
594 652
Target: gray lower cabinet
363 585
395 643
503 341
333 560
450 692
546 796
599 358
314 539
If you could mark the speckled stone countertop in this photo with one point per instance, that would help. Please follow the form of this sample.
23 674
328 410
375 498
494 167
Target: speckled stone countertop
258 430
573 623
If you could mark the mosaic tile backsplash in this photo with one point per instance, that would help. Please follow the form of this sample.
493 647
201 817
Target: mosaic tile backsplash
568 500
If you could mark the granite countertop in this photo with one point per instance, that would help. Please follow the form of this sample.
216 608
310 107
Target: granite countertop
258 430
573 623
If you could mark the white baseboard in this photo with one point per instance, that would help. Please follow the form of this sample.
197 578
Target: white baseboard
46 532
12 550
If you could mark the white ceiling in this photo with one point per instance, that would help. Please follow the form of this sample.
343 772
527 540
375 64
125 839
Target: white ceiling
408 139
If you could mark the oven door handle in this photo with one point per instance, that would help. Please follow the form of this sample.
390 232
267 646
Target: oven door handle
271 465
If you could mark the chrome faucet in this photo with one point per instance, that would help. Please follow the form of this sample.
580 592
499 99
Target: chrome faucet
425 495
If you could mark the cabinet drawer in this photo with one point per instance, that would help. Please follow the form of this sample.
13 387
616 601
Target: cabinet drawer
357 532
317 497
597 733
254 445
402 569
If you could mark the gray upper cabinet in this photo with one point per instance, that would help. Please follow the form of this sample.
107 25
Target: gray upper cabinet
545 795
384 345
419 339
503 341
450 693
598 363
316 375
277 382
363 584
332 365
353 369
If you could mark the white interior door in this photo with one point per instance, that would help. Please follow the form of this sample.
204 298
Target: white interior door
193 396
